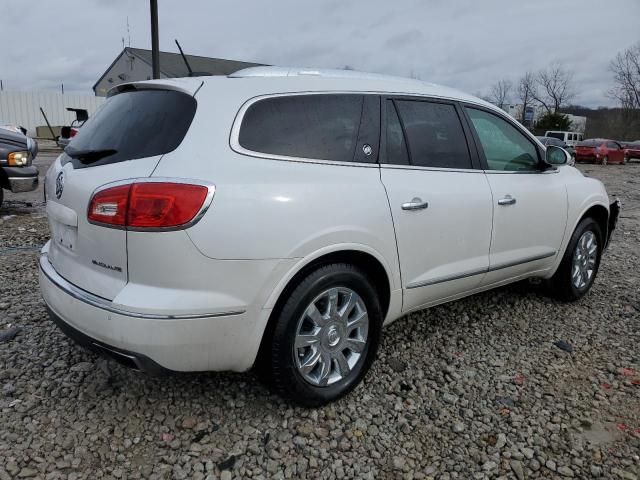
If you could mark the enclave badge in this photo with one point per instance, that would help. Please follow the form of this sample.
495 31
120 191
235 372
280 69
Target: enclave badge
59 184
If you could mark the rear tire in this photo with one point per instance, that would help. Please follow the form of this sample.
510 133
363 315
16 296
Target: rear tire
1 196
325 337
580 262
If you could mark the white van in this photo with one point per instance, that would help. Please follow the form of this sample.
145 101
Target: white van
570 138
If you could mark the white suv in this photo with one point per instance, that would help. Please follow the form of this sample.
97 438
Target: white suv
278 218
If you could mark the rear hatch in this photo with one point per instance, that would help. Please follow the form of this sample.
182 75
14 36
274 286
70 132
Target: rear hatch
125 139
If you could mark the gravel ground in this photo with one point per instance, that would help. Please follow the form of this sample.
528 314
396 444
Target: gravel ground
475 389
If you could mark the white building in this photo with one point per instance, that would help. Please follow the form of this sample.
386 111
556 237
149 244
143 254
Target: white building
23 109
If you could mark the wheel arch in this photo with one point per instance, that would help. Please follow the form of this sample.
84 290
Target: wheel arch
368 260
600 214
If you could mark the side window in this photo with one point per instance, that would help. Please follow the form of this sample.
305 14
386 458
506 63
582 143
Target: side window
322 127
396 146
505 147
434 134
612 145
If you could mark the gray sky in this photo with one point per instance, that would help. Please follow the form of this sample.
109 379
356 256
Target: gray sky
467 44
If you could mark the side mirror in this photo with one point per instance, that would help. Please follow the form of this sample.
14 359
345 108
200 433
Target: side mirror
557 156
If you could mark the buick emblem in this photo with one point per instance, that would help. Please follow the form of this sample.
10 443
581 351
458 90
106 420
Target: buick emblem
59 184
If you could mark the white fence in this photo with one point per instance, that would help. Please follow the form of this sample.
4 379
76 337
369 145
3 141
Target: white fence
23 108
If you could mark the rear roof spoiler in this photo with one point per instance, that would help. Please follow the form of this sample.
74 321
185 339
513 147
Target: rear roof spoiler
190 86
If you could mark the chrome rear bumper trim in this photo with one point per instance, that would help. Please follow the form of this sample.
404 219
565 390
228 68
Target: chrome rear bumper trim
104 304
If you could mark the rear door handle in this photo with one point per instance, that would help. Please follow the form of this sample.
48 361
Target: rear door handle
507 200
415 204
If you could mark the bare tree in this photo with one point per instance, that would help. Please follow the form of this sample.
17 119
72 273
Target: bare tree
526 92
554 87
500 93
626 74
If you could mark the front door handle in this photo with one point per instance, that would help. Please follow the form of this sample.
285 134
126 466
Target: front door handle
415 204
507 200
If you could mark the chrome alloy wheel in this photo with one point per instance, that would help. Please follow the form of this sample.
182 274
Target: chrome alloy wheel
331 336
585 256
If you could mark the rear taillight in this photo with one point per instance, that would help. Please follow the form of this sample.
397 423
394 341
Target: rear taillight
73 132
148 205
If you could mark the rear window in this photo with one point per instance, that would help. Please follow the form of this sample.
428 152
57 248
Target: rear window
134 124
321 127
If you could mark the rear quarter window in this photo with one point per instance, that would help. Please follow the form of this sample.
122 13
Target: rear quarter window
136 124
319 126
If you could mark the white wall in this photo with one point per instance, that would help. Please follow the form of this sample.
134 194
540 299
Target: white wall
23 108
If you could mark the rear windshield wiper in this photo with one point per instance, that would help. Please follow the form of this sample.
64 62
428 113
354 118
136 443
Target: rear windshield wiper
89 156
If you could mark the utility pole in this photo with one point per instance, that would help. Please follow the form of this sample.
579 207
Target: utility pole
155 49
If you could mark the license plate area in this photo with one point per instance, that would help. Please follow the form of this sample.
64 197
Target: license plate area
64 236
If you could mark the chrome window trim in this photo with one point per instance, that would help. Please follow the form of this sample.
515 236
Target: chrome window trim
521 172
430 169
234 135
104 304
211 190
480 271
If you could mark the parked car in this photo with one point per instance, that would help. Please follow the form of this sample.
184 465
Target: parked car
559 143
570 138
599 150
17 152
631 150
70 131
13 128
278 218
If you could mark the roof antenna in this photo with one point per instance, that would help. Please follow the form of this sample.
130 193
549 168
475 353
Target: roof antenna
184 57
186 62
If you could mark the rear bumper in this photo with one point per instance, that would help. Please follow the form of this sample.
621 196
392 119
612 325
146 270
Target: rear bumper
22 179
149 342
133 360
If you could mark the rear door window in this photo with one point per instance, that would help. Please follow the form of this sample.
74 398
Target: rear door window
133 124
319 126
434 134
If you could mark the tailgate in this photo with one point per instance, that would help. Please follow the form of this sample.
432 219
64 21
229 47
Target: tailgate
91 257
125 139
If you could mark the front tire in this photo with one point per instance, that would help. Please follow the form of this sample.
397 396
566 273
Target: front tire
580 262
326 336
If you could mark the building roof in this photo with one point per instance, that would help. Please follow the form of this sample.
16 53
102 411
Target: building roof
172 65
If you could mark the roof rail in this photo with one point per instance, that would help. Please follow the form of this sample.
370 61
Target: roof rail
312 72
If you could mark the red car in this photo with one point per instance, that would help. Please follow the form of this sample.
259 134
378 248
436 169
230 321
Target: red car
599 150
632 150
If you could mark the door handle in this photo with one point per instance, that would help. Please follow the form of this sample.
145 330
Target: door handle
415 204
507 200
